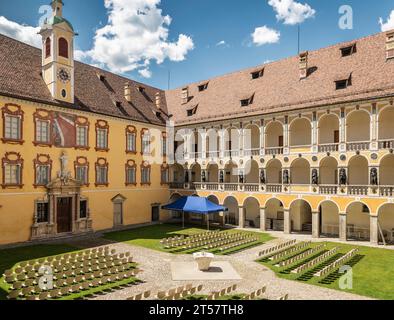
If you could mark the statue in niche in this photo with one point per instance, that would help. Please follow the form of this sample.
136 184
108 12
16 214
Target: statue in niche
241 177
286 178
186 176
315 177
342 177
203 176
64 174
221 176
262 176
374 177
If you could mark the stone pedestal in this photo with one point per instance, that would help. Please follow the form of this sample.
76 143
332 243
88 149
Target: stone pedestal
203 260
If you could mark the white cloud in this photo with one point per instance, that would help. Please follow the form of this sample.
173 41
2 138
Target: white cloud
264 35
389 24
20 32
146 73
136 34
221 43
291 12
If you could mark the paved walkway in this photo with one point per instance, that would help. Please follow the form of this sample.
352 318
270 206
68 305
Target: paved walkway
157 275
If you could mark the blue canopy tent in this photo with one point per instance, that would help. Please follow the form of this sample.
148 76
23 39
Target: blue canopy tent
194 205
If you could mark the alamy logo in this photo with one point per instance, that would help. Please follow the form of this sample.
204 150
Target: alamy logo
46 280
346 281
346 20
46 12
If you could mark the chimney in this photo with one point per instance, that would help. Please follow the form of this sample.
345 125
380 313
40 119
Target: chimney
390 44
127 92
158 100
303 65
185 95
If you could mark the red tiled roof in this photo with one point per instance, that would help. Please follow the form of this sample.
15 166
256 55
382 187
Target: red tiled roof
280 88
20 77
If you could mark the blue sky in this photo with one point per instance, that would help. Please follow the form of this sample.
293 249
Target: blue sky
202 24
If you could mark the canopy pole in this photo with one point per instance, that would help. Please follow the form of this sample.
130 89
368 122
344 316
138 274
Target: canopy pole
208 220
183 219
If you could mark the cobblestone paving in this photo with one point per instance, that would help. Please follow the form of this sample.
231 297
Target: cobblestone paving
157 275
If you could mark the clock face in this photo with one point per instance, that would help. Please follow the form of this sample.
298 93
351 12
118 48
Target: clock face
63 75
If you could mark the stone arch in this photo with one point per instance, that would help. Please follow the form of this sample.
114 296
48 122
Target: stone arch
300 132
252 137
328 129
196 172
213 172
231 172
177 173
328 168
252 171
386 221
301 216
231 139
252 212
232 216
329 218
300 172
386 172
358 221
212 140
215 217
358 126
274 171
274 134
385 125
274 213
358 168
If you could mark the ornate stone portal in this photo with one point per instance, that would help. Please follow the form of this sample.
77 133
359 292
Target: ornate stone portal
64 207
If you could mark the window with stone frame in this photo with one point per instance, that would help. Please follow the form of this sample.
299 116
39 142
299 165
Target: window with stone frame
102 130
12 165
145 174
42 212
145 142
131 173
131 140
101 172
12 124
165 174
82 133
42 129
42 169
81 166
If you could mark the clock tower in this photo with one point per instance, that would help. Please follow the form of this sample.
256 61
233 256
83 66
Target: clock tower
58 54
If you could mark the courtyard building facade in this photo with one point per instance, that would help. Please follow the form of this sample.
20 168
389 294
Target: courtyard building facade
301 145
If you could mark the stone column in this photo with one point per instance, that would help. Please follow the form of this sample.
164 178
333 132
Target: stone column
262 219
316 225
314 129
343 226
241 217
203 144
262 138
287 223
374 230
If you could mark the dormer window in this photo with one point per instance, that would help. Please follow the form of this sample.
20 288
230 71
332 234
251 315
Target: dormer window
247 101
257 74
101 77
343 83
192 111
141 89
390 45
203 87
349 50
185 95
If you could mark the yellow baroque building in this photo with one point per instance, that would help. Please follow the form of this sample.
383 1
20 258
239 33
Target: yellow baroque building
300 145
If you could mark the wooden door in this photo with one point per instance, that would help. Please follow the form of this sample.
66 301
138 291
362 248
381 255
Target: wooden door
280 142
336 136
118 214
155 213
64 215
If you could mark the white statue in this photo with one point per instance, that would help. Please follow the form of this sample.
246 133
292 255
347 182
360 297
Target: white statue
63 174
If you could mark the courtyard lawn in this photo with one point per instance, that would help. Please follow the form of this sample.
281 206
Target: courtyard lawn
149 237
10 257
373 271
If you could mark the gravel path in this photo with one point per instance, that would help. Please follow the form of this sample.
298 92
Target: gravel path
157 275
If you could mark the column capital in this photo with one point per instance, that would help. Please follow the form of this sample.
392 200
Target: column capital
263 208
315 212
